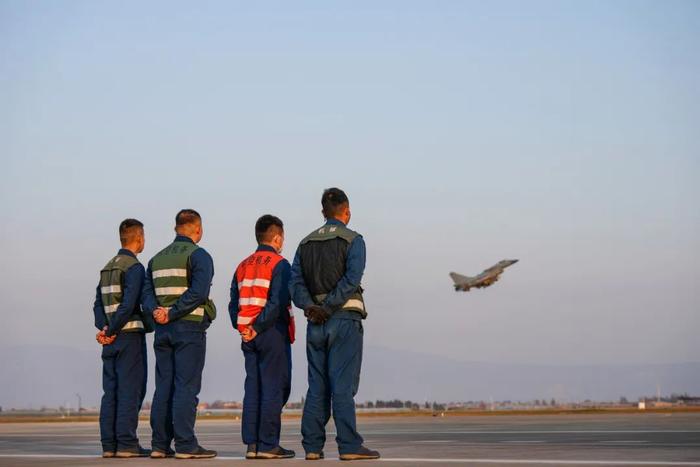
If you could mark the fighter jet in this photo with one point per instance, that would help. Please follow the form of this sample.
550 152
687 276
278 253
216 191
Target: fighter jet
486 278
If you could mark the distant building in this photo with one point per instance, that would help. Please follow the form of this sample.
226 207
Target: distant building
662 404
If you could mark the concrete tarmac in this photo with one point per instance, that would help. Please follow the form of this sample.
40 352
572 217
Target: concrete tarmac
643 439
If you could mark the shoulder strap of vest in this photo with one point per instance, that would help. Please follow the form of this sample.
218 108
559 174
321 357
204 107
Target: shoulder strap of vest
121 262
329 232
276 258
189 262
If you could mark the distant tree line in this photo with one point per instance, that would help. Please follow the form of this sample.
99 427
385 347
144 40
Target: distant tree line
399 404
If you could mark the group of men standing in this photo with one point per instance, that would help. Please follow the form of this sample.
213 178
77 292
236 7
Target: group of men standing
171 297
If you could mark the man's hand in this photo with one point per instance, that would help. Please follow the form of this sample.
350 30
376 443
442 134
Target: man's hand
248 334
316 314
102 338
160 315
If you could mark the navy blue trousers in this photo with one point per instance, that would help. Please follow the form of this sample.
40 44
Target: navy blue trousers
334 353
268 366
124 384
180 350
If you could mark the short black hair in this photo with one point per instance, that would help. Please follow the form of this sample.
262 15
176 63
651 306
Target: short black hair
128 230
267 227
332 201
187 216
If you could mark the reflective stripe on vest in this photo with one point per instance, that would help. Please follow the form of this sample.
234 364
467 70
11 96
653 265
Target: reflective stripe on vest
170 273
164 291
111 289
353 303
136 324
253 276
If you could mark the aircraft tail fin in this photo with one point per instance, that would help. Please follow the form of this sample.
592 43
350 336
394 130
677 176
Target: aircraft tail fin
458 278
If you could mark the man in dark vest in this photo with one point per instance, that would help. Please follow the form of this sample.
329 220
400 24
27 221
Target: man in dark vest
176 292
122 329
325 283
260 310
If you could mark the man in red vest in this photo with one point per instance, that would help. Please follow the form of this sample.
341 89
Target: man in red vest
261 312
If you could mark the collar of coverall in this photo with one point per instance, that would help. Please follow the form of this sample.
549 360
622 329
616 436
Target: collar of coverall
334 221
266 248
183 238
124 251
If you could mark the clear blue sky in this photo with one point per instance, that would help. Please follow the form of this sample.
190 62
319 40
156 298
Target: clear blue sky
561 133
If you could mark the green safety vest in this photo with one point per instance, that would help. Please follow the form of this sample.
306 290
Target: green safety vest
356 302
111 283
170 270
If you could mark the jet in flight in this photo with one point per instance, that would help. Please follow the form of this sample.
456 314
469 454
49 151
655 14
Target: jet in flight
486 278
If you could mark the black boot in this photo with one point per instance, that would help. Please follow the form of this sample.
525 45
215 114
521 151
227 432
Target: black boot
156 454
136 452
362 454
277 453
199 453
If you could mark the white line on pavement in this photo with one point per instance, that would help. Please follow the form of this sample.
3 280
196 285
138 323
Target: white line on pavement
473 432
630 441
522 441
535 461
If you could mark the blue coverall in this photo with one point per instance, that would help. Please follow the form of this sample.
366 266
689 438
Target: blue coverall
334 353
268 361
124 368
180 348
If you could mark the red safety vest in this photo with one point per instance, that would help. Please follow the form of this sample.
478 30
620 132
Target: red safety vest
253 276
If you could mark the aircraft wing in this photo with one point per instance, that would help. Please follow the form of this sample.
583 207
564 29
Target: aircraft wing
487 279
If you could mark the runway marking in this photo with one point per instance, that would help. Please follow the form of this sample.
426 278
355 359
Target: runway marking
544 432
535 461
522 441
625 441
405 459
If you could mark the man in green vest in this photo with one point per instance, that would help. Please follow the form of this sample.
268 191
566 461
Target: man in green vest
176 292
122 329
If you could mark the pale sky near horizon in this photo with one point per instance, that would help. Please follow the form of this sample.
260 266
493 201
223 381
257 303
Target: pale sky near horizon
564 134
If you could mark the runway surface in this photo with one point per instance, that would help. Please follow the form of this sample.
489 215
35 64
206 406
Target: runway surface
642 439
